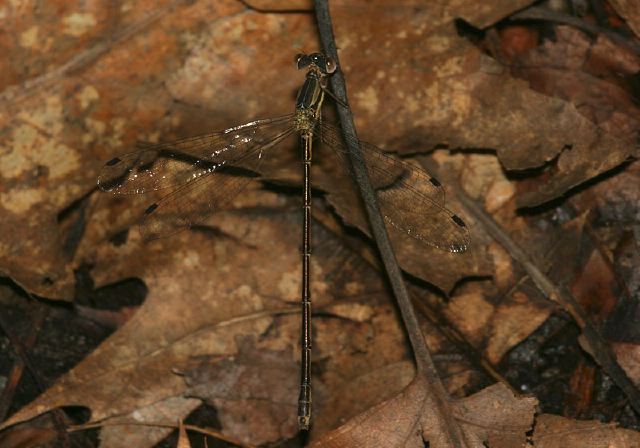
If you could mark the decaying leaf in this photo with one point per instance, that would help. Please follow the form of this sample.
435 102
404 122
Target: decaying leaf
493 417
253 383
83 82
147 425
630 11
553 431
232 293
429 87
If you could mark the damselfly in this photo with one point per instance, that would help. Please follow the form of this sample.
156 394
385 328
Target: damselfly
197 170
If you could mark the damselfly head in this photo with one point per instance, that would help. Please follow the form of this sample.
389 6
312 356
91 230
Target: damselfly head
324 64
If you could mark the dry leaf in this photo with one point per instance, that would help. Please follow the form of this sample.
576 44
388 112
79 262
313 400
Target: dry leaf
140 427
363 392
225 289
584 74
630 11
83 82
28 437
422 88
552 431
493 417
253 383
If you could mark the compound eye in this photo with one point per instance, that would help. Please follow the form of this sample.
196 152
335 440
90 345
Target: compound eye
302 61
330 65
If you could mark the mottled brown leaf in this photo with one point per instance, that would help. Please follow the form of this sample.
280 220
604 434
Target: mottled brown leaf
251 383
207 290
553 431
493 417
630 11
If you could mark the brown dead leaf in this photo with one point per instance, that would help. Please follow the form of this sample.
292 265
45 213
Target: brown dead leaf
160 77
495 329
485 15
629 11
281 5
584 77
79 95
93 90
628 355
553 431
196 314
28 437
493 417
252 383
614 198
359 394
143 429
225 289
475 103
595 287
516 40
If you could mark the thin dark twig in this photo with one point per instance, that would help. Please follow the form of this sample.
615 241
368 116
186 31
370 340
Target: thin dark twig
424 362
538 13
431 313
598 347
370 199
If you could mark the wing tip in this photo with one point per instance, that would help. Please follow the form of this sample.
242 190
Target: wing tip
460 246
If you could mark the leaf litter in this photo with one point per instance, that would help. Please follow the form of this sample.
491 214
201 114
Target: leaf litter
553 116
